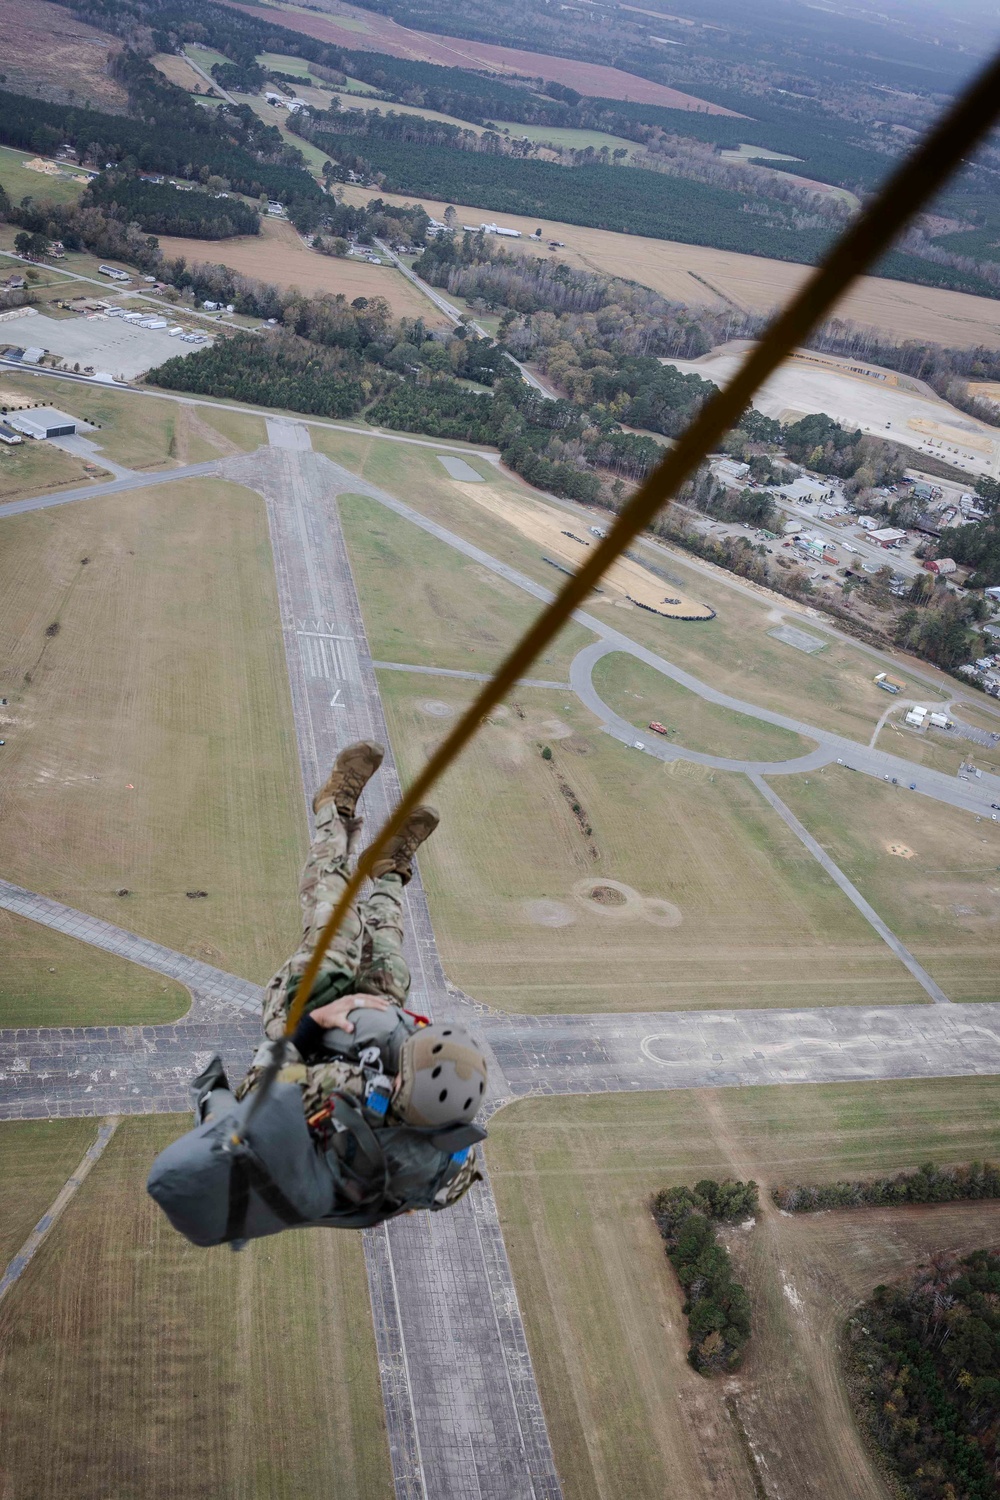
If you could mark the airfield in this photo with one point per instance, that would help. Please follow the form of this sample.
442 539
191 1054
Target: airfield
717 966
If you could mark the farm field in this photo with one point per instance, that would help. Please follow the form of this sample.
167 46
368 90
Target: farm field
179 71
36 1157
49 979
152 748
700 276
51 54
567 138
639 693
602 1308
168 1370
36 468
939 894
450 612
205 57
18 182
355 29
278 255
734 652
704 898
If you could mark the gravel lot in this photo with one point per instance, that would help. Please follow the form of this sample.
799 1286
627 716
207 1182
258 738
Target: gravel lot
111 345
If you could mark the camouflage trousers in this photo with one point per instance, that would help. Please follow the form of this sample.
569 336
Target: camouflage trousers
366 954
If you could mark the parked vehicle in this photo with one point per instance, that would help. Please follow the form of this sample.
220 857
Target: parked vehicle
657 727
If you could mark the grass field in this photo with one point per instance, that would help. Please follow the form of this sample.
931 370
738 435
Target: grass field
942 899
568 139
36 1157
141 437
639 694
19 183
179 71
700 276
733 652
426 604
152 746
939 751
278 255
205 57
49 979
164 1370
720 905
602 1309
35 468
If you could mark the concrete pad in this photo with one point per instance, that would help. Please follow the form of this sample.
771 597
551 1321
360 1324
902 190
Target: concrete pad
800 639
459 469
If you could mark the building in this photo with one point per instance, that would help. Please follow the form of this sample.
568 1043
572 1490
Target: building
993 594
730 471
9 436
32 355
916 716
43 422
889 684
887 536
924 492
942 566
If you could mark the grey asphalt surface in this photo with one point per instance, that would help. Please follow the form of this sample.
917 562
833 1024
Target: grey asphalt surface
402 666
113 487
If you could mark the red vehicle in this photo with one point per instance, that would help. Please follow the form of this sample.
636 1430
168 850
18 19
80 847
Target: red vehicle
658 728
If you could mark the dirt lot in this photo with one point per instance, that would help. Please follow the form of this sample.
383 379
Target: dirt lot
698 276
49 979
347 26
49 53
153 749
639 694
944 902
278 255
708 901
879 402
602 1308
167 1371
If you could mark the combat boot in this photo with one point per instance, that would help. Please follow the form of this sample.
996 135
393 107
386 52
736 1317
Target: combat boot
354 768
398 857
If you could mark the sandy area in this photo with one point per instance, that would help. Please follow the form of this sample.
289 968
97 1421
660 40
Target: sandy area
366 31
701 276
279 256
547 527
877 401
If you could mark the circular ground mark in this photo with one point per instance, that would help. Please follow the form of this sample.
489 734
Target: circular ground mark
609 897
661 913
437 709
549 914
902 851
556 729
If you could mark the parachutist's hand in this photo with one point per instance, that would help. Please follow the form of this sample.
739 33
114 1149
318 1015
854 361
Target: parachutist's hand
335 1014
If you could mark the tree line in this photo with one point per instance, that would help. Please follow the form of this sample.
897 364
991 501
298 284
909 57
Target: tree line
924 1365
161 208
716 1305
929 1184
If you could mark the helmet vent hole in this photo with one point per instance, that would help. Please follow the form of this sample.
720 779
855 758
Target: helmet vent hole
481 1085
436 1072
446 1033
467 1104
438 1048
442 1096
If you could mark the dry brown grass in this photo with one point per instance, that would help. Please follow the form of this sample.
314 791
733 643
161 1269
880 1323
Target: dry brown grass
347 26
36 1157
179 71
48 52
165 1371
700 276
154 748
602 1307
33 468
278 255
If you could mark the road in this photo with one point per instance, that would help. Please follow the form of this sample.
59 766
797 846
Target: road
463 1411
208 78
455 315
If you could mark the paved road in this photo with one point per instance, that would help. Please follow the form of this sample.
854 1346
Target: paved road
113 487
462 1406
402 666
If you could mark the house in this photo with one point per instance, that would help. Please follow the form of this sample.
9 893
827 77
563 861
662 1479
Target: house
923 492
887 536
993 594
9 436
16 283
56 250
942 566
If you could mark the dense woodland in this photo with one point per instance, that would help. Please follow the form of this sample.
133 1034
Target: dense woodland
283 371
924 1369
716 1305
160 208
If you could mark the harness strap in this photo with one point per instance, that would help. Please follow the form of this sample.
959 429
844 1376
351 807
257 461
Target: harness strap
248 1172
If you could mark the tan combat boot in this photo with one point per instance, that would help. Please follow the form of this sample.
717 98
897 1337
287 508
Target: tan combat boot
398 857
354 768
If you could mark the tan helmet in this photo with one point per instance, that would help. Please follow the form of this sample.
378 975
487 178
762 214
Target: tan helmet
442 1076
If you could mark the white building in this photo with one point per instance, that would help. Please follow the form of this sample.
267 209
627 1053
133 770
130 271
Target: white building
43 422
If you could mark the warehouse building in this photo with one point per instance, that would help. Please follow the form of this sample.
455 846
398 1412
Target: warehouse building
44 422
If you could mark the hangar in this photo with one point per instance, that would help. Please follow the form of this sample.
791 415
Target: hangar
44 422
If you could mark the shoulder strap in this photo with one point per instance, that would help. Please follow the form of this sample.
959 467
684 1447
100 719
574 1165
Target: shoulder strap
247 1172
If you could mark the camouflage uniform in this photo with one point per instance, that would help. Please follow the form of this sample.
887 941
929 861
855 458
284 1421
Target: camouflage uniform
365 957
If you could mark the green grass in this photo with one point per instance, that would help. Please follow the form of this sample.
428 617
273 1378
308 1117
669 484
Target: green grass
165 1370
36 1157
944 902
48 979
283 62
33 468
639 693
19 183
568 138
152 747
135 431
428 605
205 57
728 910
602 1311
